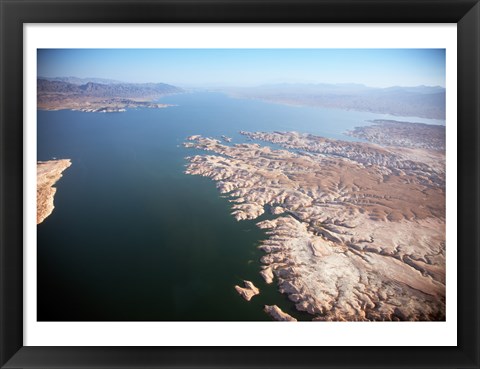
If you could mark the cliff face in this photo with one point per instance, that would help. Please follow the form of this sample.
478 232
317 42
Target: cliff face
48 173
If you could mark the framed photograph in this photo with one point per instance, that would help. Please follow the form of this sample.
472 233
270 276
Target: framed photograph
231 184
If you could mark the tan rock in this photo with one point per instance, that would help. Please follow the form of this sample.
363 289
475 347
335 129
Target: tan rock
267 274
276 313
248 291
48 173
362 232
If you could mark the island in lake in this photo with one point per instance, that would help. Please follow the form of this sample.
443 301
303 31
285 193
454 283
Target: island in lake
359 228
48 173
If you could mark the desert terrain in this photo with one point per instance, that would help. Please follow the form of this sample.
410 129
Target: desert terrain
359 228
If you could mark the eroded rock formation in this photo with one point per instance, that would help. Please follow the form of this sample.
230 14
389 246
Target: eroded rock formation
248 291
360 228
48 173
276 313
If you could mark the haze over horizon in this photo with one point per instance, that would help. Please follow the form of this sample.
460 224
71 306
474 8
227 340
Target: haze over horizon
192 68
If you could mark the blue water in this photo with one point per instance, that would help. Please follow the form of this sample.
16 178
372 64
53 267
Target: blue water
134 238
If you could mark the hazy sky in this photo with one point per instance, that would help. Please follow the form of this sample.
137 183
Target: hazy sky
247 67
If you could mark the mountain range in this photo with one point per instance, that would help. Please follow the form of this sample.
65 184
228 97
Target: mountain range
55 94
93 89
98 94
81 81
418 101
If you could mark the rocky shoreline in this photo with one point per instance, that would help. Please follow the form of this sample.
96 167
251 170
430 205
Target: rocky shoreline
48 173
277 314
359 232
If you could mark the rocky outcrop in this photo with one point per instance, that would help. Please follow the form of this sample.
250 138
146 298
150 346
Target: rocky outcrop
48 173
248 291
267 274
277 314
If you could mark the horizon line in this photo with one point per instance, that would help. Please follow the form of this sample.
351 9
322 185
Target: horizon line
250 85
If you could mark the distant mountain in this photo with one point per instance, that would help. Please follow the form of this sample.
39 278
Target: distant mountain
417 89
302 88
81 81
128 90
419 101
91 96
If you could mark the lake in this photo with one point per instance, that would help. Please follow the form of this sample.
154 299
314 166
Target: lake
134 238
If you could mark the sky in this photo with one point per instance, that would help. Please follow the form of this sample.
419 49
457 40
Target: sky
249 67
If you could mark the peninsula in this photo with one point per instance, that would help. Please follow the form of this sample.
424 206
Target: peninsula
48 173
359 228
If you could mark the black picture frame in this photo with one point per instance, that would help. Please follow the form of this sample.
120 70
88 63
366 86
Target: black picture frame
14 13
